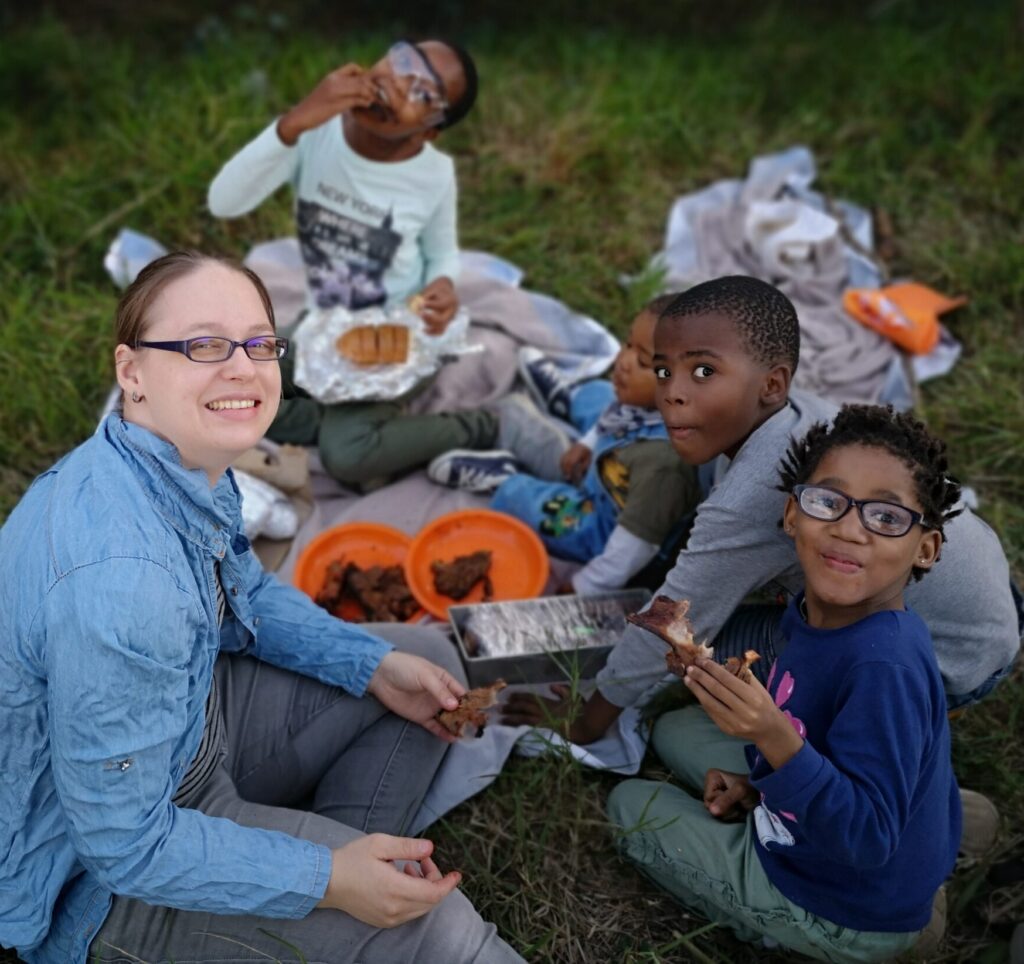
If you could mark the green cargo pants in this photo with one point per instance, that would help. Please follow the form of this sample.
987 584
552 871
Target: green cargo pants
713 866
361 442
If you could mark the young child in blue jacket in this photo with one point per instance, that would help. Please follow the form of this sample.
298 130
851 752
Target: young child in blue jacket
624 489
830 815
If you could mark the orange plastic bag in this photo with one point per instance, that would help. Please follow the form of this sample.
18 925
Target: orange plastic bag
908 313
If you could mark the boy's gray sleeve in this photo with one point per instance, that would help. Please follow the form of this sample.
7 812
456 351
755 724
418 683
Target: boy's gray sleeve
439 240
968 607
728 556
252 175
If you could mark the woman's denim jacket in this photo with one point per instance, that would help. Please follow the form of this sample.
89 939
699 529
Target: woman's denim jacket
108 637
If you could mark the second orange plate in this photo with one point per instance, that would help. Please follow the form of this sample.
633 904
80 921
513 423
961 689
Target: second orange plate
519 561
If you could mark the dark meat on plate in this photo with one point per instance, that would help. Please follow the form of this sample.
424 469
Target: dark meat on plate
381 592
334 585
457 578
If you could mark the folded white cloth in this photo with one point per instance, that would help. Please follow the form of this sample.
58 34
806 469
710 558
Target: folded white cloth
792 239
266 511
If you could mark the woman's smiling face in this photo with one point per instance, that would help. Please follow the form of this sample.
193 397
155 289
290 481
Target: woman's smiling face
211 412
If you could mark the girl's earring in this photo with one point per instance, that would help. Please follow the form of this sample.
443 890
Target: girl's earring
136 397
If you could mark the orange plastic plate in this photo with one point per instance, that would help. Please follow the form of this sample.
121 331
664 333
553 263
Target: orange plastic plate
519 561
364 543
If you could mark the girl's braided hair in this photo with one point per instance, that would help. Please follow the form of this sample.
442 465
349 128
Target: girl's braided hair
898 433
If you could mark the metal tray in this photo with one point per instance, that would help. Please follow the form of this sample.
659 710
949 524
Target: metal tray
543 640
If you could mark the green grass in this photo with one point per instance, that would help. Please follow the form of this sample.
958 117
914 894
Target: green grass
583 137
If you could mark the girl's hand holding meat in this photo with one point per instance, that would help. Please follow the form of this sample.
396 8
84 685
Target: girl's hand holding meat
745 709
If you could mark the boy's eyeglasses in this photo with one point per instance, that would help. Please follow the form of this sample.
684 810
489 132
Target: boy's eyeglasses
213 349
427 87
830 505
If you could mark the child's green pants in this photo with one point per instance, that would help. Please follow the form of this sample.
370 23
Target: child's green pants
713 866
363 441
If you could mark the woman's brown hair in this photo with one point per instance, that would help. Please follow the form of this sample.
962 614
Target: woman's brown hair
130 320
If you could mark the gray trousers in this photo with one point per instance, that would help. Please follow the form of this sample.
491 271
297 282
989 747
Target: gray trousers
312 761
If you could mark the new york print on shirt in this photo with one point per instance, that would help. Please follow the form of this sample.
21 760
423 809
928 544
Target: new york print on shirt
345 257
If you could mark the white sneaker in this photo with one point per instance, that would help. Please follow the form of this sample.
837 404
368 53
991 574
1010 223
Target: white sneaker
533 438
929 940
980 823
472 470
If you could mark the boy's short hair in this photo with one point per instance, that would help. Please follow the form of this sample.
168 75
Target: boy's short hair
659 303
764 317
899 433
455 112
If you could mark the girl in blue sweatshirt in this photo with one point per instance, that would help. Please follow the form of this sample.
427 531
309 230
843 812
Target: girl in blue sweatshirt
829 815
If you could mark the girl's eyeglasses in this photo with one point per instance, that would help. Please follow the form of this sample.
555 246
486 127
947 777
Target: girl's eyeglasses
830 505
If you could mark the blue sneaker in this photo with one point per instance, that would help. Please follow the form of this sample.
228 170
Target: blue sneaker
473 470
545 381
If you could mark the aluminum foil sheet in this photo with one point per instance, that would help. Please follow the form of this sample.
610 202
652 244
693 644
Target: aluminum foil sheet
322 371
549 624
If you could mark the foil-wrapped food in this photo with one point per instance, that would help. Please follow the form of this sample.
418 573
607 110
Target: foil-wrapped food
375 354
549 624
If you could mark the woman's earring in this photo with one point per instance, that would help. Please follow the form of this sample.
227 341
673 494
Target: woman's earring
136 397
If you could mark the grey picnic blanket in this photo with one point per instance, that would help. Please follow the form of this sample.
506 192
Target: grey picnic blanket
774 226
504 317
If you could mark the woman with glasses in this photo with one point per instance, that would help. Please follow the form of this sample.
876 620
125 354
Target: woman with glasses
375 211
830 815
199 763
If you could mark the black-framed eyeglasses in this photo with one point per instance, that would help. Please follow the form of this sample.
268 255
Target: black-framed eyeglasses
830 505
213 349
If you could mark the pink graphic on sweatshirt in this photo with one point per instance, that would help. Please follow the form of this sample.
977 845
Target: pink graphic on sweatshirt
782 695
786 686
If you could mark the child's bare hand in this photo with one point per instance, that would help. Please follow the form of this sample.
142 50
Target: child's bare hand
575 462
529 709
744 709
563 714
729 796
439 305
341 90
